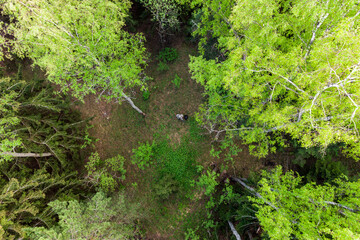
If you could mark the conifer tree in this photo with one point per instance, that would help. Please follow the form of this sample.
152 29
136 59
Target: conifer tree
24 194
100 218
36 123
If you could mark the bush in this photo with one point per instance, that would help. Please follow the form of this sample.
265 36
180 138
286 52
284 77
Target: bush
146 95
176 81
208 181
105 174
143 155
318 164
162 67
168 55
164 186
326 170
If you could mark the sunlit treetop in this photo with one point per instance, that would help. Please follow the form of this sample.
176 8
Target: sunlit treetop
291 68
82 45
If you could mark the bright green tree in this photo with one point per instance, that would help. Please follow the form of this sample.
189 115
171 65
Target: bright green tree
82 45
291 68
99 218
287 209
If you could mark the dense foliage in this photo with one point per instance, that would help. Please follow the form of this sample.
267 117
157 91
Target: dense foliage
81 45
25 193
35 121
287 209
40 141
99 218
289 70
166 14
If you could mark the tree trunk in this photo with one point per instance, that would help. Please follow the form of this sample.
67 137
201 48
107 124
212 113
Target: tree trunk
236 234
253 191
22 155
250 235
132 104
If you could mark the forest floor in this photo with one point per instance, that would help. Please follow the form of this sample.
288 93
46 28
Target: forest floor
119 129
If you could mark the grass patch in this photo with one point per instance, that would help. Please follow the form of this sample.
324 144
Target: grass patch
178 162
167 172
196 132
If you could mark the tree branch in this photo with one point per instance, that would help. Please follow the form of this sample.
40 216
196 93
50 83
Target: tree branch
342 206
22 155
253 191
314 34
132 104
236 234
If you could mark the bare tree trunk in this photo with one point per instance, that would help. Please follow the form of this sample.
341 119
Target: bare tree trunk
250 235
253 191
236 234
132 104
21 155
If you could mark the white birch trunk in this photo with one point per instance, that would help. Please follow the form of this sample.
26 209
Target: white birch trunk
22 155
132 104
236 234
253 191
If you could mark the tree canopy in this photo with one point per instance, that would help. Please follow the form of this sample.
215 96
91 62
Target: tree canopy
277 76
287 209
82 45
99 218
291 68
36 123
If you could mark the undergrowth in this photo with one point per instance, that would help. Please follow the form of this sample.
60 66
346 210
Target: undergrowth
172 164
169 172
178 162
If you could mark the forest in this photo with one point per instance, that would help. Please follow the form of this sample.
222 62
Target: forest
179 119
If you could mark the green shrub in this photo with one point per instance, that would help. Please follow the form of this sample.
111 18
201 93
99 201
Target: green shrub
164 186
162 67
143 155
208 181
177 162
317 164
105 174
326 170
168 55
146 95
176 81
